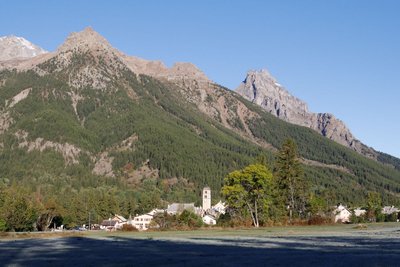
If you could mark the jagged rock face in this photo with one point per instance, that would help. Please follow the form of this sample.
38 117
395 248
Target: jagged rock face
178 72
17 48
334 129
262 89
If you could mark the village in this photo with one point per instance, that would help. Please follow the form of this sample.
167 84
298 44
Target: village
211 213
207 212
345 215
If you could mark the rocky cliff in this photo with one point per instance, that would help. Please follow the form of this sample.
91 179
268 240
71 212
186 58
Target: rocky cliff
262 89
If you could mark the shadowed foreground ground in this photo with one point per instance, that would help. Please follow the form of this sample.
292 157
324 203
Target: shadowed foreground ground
363 248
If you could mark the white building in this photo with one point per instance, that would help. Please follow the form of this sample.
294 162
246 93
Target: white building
206 198
219 207
359 212
210 220
342 214
113 223
390 210
155 211
178 208
142 222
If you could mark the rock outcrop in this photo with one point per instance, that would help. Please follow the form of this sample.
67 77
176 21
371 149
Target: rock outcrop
87 39
262 89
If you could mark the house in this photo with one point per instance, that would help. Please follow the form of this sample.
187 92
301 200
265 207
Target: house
155 211
342 214
119 218
178 208
210 220
113 223
142 222
108 224
120 221
359 212
219 207
389 210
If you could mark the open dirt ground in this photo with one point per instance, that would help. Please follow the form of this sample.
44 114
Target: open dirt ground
343 245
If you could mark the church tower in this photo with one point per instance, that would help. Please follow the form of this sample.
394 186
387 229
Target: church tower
206 198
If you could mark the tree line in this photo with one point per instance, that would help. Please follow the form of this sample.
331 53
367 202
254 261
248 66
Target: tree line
282 194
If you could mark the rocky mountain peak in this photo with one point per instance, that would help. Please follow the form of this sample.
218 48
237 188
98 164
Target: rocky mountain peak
88 39
98 62
260 74
263 89
16 48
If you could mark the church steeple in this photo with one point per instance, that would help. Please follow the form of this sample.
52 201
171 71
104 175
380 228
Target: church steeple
206 198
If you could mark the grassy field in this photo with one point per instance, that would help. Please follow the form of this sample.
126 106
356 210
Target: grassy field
340 229
333 245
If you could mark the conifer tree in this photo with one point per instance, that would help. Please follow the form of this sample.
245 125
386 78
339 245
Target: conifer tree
290 180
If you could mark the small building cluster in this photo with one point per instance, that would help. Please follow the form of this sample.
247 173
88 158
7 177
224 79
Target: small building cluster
207 212
343 214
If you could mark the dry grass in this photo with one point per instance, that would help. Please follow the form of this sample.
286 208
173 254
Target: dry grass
360 226
24 235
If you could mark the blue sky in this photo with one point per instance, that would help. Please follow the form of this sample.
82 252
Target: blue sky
340 56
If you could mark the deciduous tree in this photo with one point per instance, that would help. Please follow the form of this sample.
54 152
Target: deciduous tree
249 189
374 205
17 212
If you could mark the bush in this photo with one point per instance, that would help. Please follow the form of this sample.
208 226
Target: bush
225 220
318 220
128 228
358 219
388 217
163 221
3 225
380 217
190 220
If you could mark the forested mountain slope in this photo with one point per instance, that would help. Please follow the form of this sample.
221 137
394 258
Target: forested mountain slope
81 125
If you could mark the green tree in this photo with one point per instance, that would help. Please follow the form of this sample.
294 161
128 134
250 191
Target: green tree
249 190
318 205
3 225
163 221
188 218
374 206
48 210
18 211
290 179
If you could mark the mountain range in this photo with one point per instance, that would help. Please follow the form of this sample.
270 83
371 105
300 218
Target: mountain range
88 111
